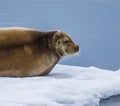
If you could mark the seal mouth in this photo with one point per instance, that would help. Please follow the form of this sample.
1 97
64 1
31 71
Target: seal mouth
74 51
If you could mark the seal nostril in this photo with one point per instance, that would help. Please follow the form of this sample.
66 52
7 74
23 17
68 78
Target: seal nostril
77 47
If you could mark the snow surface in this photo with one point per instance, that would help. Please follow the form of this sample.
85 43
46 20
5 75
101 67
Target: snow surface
64 86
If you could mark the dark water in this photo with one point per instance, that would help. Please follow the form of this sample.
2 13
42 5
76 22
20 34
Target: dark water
112 101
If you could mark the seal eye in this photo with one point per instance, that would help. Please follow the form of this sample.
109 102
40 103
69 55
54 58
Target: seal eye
58 42
66 41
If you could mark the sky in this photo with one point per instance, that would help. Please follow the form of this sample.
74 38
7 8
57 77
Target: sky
93 24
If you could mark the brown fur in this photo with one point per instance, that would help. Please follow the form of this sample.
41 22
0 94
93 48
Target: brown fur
27 52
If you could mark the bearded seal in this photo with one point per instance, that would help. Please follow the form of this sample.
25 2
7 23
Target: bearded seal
27 52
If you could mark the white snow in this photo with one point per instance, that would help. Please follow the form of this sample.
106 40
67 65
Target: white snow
64 86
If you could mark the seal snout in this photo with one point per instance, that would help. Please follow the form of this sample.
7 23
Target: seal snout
77 48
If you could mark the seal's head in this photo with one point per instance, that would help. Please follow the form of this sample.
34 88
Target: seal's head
64 44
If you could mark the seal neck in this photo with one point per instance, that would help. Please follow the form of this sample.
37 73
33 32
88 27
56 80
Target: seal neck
51 47
46 45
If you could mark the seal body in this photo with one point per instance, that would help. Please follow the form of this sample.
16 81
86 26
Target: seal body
28 52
